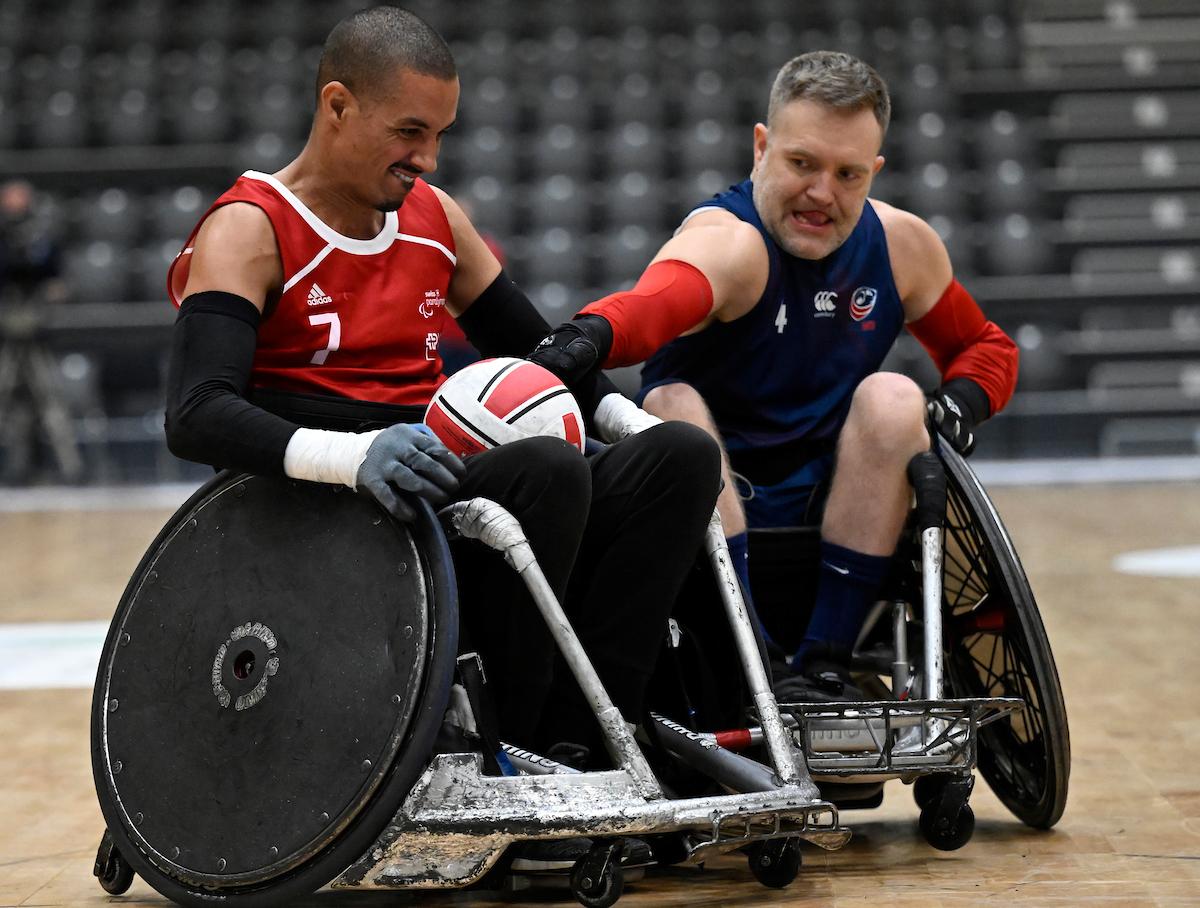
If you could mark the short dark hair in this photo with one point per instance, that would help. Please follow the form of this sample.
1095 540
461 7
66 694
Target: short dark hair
834 79
368 46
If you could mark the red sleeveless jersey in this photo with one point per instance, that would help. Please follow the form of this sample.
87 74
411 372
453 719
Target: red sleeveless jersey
357 318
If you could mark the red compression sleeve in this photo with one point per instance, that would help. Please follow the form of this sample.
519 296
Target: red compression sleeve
670 297
964 344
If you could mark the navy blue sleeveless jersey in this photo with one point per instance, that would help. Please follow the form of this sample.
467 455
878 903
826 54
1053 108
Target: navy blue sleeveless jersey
785 371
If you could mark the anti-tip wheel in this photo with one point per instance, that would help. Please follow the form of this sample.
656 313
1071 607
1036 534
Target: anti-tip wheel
775 862
947 830
596 880
112 870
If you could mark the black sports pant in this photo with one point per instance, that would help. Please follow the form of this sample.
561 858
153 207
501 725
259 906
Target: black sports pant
615 534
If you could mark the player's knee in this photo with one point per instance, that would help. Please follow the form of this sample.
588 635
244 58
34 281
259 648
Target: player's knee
688 455
676 400
889 409
547 467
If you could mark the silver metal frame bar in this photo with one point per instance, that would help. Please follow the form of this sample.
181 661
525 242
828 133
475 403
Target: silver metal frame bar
786 760
931 588
491 524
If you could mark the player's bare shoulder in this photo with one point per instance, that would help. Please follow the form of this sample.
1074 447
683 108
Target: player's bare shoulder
730 252
454 212
920 263
235 250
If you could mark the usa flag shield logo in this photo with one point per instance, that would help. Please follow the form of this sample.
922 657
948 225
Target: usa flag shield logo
862 302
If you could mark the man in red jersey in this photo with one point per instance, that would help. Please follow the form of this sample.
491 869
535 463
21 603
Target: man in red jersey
311 306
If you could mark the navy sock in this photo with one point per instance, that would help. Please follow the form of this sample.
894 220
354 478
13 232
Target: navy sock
739 554
846 590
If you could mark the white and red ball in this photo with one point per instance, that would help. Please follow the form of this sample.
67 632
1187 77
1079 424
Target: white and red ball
495 401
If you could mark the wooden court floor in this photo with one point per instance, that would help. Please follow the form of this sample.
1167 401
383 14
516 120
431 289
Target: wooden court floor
1128 649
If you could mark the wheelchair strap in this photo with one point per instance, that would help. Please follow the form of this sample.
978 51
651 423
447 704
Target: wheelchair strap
472 678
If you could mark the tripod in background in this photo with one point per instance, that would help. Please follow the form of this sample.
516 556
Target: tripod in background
29 372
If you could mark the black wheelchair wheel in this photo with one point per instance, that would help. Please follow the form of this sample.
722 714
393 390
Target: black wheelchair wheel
270 688
997 647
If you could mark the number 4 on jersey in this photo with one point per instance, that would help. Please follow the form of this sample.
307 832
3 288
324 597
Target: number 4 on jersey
781 318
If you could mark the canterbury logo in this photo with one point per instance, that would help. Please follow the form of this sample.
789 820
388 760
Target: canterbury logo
318 297
824 301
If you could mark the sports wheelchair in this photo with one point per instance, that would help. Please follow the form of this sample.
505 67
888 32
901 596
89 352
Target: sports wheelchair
264 725
987 696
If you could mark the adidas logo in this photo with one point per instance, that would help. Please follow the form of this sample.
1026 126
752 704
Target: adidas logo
318 297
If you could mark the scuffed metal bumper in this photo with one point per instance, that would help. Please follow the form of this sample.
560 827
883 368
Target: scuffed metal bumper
456 822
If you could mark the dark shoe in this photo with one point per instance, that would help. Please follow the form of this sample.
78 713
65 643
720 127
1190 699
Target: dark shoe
821 688
568 753
823 678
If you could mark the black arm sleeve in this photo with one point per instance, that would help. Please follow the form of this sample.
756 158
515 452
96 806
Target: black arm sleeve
502 321
208 417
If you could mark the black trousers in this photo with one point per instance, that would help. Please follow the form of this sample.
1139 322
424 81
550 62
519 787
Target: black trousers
615 534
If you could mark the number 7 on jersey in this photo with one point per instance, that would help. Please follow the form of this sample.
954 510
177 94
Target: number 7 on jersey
335 335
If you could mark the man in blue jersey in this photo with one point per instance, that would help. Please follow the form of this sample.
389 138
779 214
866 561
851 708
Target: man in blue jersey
765 319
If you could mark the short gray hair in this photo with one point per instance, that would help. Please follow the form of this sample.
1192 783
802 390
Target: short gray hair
834 79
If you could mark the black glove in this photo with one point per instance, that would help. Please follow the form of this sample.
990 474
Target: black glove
955 409
574 348
407 457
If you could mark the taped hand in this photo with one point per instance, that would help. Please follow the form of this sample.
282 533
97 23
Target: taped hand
406 457
618 417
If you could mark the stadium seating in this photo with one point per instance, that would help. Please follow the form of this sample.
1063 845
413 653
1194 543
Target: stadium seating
1052 143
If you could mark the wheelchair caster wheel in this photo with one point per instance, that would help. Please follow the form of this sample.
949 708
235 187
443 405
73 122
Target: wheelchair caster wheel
114 874
928 790
947 820
947 830
596 879
775 862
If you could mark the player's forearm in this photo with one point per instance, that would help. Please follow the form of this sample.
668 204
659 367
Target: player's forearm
671 297
502 321
208 419
965 345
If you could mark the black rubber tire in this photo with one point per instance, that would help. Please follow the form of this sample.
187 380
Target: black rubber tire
945 833
928 789
374 816
116 876
602 892
997 647
776 862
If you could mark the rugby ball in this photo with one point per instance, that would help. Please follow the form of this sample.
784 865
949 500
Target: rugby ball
495 401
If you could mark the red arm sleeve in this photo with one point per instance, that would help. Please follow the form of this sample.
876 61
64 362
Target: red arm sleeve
670 297
964 344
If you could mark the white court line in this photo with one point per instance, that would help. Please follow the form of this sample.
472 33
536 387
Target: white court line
96 498
1086 471
1179 561
1065 471
50 654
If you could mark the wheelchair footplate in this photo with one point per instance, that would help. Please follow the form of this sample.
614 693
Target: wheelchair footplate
457 822
894 737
